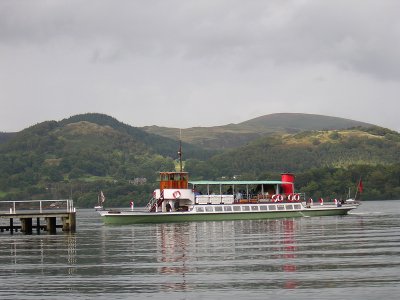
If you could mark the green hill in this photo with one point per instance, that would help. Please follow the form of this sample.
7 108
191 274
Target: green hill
82 155
162 145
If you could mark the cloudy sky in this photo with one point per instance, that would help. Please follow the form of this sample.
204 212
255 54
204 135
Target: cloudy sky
184 63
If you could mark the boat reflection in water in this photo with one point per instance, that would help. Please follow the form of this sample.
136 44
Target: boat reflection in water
172 254
197 254
289 251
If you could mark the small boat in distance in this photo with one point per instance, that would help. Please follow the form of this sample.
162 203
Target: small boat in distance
179 200
100 200
359 190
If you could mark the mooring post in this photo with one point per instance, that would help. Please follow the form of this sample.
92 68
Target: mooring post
38 225
11 225
26 225
72 221
69 222
51 225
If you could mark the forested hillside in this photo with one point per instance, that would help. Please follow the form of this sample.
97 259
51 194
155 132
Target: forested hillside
298 152
79 156
339 156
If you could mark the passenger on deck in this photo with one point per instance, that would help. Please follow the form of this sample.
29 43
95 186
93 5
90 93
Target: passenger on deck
229 191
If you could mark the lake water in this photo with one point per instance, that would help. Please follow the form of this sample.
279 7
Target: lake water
355 256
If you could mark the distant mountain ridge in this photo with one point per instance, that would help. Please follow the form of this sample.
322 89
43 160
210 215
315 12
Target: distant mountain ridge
303 122
235 135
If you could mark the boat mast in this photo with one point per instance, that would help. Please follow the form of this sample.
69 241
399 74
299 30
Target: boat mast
180 150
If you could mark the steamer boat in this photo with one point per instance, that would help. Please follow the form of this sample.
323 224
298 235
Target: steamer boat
179 200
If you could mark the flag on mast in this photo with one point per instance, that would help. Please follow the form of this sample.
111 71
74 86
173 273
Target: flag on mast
102 197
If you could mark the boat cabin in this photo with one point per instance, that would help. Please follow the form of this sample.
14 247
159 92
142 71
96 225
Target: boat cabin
228 192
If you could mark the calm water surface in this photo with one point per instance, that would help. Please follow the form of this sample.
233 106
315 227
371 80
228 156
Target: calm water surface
352 257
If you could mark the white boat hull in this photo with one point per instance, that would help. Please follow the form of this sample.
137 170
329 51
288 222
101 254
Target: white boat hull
225 212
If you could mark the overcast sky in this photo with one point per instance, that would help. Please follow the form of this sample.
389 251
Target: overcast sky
198 63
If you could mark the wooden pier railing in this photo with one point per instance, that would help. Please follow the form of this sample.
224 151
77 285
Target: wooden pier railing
20 215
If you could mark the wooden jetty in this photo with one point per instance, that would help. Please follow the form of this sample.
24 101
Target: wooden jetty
25 216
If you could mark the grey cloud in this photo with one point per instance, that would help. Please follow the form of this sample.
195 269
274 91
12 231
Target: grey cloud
361 35
252 57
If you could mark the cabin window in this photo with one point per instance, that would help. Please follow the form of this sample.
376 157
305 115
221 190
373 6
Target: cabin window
272 207
289 207
297 206
209 209
200 209
236 208
254 207
263 207
281 207
245 208
227 208
218 208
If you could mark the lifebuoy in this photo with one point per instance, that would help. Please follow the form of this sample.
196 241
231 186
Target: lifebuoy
289 197
321 201
177 194
277 198
296 197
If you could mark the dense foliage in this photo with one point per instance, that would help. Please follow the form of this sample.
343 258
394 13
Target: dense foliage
84 154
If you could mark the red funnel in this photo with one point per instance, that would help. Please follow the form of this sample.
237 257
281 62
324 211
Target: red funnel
288 188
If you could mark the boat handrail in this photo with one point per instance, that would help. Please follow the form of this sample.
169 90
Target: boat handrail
151 203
